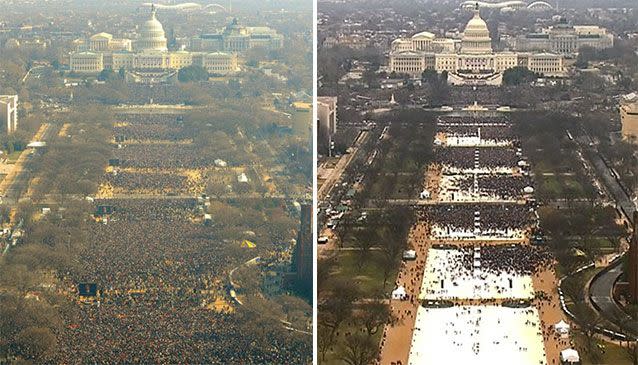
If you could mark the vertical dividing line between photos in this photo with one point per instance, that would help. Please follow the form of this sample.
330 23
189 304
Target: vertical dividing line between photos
314 182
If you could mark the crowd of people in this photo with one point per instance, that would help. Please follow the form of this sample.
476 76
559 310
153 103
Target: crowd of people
519 259
487 216
163 183
162 156
503 186
467 157
158 266
474 120
147 127
462 95
164 328
496 259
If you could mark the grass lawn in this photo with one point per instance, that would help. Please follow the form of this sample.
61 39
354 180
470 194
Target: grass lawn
611 354
400 188
332 354
556 186
369 277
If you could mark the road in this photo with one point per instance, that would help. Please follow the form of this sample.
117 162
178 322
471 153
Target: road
600 295
619 195
341 166
17 182
600 289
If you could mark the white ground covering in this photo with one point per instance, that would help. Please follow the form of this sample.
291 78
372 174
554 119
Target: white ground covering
447 233
444 266
474 141
477 335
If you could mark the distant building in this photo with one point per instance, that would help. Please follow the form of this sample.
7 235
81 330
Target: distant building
103 42
354 41
238 38
633 262
31 44
9 113
148 53
563 38
629 117
303 258
468 61
326 118
86 62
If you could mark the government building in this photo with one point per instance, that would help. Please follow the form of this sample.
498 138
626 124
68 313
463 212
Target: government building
148 55
563 38
471 61
238 38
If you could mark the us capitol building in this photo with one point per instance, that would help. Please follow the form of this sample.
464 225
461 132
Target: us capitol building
472 62
148 56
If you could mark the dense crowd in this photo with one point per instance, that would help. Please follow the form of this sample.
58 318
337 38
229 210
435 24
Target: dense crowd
145 127
497 259
489 216
154 266
462 95
134 182
503 186
162 156
518 259
488 157
474 121
159 328
157 266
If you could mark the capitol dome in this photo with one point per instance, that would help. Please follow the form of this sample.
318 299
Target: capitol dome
152 36
476 38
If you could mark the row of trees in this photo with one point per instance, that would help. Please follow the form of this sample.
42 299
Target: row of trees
31 315
351 313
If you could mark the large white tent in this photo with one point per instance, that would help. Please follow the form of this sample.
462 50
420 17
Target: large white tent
399 293
569 356
562 328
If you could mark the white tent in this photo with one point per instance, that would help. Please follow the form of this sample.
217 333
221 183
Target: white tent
409 255
569 356
562 328
528 190
399 293
425 194
522 163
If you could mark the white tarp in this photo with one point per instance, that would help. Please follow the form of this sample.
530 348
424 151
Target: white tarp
477 335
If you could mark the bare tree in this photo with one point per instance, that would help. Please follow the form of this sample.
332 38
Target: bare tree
359 349
374 315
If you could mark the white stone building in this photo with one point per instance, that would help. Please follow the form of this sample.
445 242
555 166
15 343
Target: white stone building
563 38
9 113
148 53
470 61
238 38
